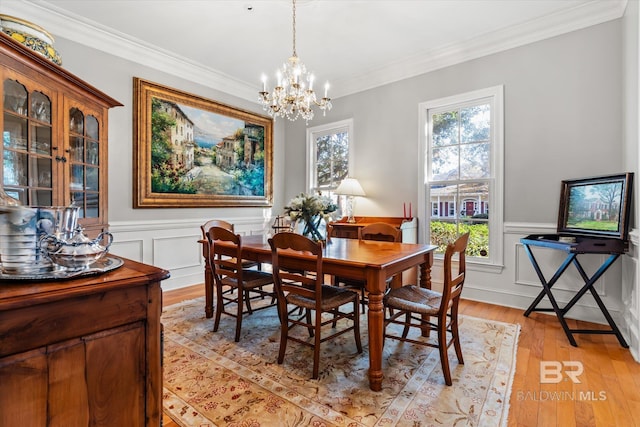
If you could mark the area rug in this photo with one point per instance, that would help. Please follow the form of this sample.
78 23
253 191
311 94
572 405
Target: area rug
209 380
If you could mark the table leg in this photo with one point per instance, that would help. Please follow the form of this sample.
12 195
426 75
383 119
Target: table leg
376 328
547 291
425 271
589 286
425 282
208 292
546 285
208 281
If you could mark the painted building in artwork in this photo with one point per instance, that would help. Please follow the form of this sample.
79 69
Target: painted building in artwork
253 140
250 139
595 209
180 135
227 153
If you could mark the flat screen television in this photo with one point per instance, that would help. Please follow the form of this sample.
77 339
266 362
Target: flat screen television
597 206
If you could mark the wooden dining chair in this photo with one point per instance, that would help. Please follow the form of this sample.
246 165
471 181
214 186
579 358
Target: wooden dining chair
378 231
208 272
417 305
299 284
229 226
225 257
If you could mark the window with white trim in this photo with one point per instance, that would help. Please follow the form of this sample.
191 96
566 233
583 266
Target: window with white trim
329 155
463 171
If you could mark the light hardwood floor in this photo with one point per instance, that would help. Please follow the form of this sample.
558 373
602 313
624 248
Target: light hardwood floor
609 389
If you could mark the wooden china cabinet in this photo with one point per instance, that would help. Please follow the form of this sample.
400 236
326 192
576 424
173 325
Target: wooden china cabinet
87 350
54 133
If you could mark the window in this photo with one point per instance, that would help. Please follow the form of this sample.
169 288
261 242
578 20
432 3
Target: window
463 171
329 154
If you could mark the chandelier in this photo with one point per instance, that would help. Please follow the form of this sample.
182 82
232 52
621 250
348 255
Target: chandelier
293 95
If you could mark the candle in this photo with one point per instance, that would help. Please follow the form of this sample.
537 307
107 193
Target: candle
264 83
326 89
311 77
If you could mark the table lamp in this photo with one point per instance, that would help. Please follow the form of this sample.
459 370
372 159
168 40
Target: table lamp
350 187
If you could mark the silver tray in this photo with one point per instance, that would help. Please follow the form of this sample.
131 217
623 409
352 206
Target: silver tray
107 263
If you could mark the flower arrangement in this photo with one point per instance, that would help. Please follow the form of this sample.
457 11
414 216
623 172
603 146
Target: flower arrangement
311 208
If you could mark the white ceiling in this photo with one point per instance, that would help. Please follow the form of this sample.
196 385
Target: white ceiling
354 44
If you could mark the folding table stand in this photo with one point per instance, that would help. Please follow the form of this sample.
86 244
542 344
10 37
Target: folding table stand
613 247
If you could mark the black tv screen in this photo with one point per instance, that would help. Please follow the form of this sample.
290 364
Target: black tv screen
597 206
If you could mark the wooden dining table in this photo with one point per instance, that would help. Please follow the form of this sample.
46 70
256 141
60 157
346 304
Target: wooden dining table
368 260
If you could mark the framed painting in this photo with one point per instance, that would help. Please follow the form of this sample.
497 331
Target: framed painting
192 152
597 206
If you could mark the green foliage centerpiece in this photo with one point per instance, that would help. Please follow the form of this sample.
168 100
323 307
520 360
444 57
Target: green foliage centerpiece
311 209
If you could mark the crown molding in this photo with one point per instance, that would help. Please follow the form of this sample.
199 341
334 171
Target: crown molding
586 15
64 24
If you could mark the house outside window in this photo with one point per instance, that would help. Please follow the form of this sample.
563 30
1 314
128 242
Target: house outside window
329 157
463 171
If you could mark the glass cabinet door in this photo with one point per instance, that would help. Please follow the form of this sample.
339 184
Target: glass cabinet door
84 162
27 160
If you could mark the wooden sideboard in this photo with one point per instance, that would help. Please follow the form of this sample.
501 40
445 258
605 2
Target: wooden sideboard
85 351
349 230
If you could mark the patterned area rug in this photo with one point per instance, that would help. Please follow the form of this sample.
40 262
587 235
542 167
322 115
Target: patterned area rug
209 380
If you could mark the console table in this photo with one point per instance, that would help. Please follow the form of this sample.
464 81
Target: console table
574 247
349 230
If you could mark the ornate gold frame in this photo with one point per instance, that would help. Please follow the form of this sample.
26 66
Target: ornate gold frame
143 195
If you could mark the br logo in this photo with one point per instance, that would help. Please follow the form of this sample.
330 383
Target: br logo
552 372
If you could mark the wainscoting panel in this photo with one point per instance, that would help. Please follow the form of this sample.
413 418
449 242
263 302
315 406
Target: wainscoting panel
173 245
132 249
178 252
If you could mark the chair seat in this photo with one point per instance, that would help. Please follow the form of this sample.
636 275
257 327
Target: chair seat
332 297
414 298
251 278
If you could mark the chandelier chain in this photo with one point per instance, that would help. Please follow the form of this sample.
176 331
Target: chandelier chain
294 28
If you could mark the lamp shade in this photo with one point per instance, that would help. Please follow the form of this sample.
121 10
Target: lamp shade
350 187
